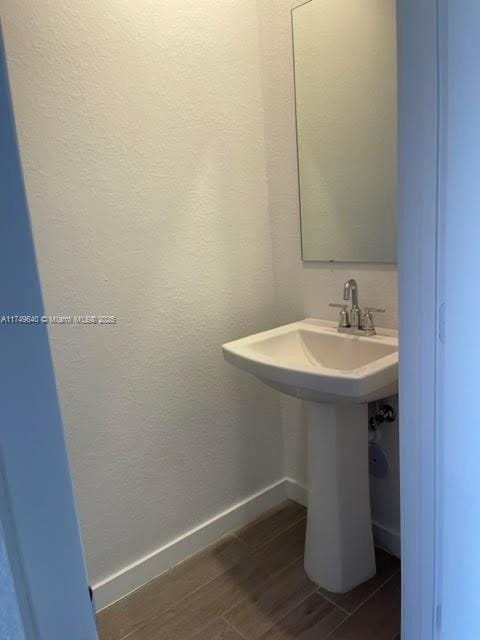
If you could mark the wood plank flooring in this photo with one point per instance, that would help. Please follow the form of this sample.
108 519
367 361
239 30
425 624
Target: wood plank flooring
251 585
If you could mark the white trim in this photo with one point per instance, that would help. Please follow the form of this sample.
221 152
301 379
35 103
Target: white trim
418 181
458 472
154 564
296 491
387 539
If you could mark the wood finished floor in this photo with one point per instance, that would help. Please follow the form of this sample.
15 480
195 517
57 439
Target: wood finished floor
251 586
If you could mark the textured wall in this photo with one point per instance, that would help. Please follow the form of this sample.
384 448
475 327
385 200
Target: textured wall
141 131
302 289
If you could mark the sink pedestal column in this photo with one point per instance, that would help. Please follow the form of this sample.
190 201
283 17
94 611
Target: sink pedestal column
339 553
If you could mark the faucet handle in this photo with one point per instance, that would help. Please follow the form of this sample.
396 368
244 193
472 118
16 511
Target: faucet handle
374 310
368 323
343 318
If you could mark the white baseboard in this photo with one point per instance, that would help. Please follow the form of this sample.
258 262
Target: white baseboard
387 539
154 564
296 491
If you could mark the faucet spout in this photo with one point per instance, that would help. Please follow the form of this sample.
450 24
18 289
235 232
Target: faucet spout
350 289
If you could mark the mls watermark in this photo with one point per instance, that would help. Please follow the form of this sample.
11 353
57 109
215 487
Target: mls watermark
54 319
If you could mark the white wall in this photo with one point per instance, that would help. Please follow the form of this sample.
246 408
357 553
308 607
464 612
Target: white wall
302 289
141 132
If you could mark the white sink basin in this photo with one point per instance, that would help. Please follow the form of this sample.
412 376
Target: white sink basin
311 360
337 375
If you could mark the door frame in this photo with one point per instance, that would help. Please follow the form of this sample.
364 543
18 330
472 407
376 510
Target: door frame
37 505
419 178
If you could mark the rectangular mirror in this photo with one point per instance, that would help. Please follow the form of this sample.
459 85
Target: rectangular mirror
345 58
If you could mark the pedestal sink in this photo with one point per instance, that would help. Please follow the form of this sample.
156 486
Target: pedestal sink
336 375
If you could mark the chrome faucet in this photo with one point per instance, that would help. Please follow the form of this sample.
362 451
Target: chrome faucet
350 290
354 321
